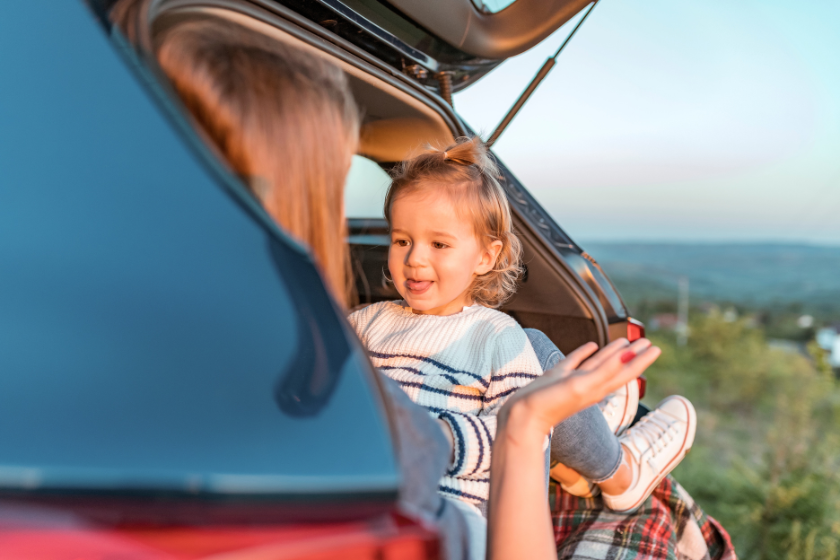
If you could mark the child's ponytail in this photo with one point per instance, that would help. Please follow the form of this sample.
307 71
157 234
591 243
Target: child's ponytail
471 151
470 175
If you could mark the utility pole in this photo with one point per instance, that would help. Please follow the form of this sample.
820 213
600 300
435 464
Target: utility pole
682 312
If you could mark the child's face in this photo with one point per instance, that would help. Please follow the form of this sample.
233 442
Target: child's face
435 254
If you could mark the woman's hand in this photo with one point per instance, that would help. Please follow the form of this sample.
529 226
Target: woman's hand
519 519
579 381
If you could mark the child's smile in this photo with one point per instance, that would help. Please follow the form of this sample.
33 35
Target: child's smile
434 254
417 287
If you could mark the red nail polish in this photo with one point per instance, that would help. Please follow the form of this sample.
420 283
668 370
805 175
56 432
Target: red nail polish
627 356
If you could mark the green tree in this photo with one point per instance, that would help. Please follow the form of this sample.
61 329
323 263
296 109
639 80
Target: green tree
766 454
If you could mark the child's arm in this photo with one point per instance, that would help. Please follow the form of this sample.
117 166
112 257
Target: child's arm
514 365
471 437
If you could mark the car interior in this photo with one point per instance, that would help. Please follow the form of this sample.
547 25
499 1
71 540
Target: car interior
399 118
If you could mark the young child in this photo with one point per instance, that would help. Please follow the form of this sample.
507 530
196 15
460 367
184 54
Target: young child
454 259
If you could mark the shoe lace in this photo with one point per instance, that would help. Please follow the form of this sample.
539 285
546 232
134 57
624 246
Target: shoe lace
655 432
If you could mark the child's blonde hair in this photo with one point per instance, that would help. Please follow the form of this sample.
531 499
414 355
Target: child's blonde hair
468 174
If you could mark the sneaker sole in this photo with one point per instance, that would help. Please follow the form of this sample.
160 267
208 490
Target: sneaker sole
688 441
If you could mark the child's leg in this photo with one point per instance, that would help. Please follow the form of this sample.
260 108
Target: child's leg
621 479
585 444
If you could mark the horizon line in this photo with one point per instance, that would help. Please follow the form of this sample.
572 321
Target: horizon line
788 243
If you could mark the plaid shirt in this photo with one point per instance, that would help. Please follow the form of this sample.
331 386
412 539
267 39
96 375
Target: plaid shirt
669 526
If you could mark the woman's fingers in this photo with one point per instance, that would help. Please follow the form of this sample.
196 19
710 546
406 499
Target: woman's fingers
620 370
585 358
570 386
575 358
644 358
627 355
607 352
640 344
616 349
622 365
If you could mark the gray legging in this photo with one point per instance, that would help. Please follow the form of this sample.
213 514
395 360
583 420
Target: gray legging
583 442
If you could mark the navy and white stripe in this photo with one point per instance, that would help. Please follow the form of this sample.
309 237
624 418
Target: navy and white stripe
461 367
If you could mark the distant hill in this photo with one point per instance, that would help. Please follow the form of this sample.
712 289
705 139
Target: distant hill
752 274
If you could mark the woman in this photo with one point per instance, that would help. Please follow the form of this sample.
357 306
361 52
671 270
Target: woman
286 123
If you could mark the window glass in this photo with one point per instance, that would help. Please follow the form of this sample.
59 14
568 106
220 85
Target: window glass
492 6
367 184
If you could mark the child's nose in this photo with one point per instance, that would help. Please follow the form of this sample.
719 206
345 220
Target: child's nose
416 256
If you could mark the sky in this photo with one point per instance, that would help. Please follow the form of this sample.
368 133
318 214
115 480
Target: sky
681 121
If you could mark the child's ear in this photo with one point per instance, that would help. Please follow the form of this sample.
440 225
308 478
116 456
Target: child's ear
488 257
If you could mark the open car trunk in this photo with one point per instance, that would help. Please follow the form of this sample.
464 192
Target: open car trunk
442 44
563 293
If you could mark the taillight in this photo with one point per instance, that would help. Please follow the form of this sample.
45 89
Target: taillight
386 538
635 329
642 386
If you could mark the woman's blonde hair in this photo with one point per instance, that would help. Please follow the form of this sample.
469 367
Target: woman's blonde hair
284 119
468 175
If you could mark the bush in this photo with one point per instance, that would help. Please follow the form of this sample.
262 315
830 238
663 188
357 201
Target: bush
765 458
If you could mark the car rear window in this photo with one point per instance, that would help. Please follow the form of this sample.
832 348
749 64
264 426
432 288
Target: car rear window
364 193
156 330
492 6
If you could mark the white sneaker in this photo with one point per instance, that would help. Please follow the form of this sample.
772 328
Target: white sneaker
620 407
656 444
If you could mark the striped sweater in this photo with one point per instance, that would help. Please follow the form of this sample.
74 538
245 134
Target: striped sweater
460 367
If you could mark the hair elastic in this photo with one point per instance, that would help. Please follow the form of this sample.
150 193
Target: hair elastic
444 155
386 276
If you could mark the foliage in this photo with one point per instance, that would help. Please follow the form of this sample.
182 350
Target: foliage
766 454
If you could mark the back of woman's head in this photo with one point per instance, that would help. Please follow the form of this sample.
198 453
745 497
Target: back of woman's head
284 120
466 172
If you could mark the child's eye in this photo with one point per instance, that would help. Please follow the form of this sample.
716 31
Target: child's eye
401 242
439 245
